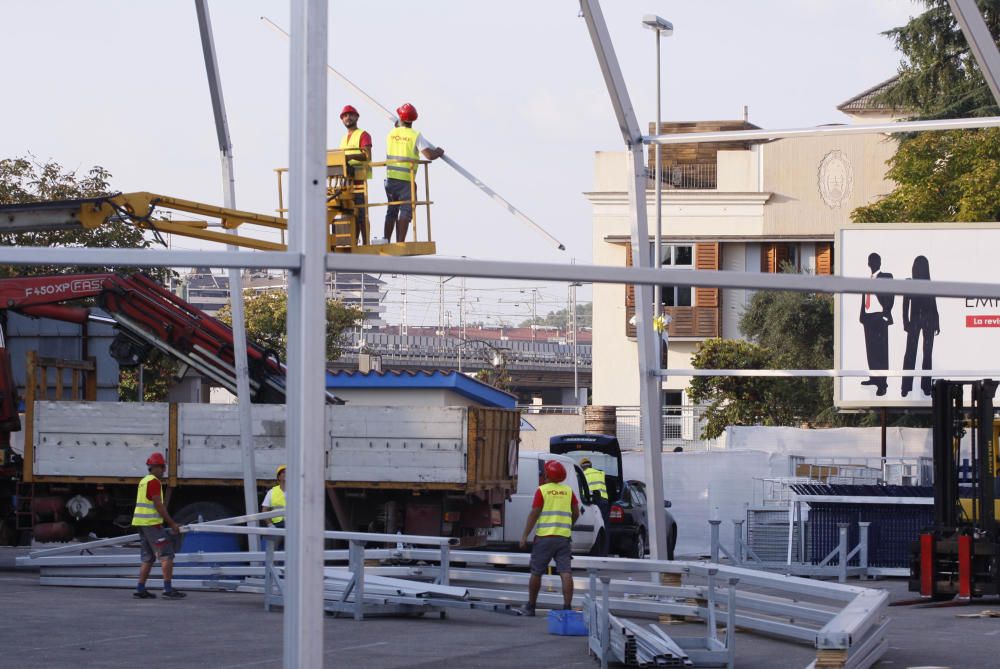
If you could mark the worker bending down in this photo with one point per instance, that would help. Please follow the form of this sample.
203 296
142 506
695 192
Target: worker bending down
598 484
155 543
555 510
275 498
401 168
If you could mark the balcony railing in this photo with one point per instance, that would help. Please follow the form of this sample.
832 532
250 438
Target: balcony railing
686 177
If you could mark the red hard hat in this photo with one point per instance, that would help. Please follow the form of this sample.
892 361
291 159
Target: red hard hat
348 109
554 471
156 459
407 113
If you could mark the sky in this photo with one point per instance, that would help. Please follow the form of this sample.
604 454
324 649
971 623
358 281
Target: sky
511 90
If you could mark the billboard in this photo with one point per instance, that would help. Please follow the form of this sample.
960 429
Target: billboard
885 331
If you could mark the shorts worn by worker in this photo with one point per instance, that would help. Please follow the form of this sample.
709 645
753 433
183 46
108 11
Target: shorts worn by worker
397 190
546 549
155 543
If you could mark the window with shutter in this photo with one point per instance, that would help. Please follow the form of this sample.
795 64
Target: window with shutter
824 258
706 256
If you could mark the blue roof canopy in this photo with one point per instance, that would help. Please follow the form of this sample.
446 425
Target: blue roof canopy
466 386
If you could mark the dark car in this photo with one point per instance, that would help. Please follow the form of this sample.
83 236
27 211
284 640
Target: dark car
627 519
628 522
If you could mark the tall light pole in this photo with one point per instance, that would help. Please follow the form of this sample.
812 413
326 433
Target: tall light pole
660 27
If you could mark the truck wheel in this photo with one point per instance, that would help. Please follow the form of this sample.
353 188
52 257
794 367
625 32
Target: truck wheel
191 513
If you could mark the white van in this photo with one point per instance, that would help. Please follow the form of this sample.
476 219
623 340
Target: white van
589 527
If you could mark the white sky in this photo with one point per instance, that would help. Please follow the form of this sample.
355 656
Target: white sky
510 89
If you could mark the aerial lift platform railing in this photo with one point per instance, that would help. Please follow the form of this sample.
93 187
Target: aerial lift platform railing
344 183
148 211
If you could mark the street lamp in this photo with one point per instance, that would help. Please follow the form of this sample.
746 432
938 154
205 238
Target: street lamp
666 28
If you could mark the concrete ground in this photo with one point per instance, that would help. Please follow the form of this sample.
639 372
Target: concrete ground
54 627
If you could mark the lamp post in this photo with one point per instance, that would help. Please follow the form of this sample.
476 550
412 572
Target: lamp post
660 27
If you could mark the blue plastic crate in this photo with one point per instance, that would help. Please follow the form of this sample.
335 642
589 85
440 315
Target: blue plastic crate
567 623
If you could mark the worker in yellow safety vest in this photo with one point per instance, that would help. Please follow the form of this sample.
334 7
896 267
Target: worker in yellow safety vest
358 143
402 157
598 484
555 509
275 498
155 543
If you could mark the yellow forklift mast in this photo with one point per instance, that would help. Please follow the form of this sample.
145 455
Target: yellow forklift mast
348 207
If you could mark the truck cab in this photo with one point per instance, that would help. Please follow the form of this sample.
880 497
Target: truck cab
589 526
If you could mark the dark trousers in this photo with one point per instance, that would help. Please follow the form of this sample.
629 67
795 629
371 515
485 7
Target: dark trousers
876 345
910 357
605 508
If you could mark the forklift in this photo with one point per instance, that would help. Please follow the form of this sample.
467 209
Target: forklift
960 554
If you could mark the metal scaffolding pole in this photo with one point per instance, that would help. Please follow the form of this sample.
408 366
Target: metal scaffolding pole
981 43
235 275
303 617
649 383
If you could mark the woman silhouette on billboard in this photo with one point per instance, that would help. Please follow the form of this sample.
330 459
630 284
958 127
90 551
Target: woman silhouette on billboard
920 318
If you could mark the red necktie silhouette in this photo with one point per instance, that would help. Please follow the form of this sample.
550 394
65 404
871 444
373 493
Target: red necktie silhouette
868 301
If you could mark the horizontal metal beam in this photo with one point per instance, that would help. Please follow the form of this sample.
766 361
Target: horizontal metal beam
495 269
823 131
835 373
23 255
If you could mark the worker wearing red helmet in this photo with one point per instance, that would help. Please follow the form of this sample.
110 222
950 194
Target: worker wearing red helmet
555 510
359 144
401 157
154 541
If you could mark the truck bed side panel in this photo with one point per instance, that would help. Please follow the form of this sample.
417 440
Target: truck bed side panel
208 440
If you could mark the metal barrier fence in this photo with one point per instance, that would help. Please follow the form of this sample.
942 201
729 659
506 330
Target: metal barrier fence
682 427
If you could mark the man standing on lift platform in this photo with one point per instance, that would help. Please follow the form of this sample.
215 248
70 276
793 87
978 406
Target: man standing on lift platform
401 168
359 145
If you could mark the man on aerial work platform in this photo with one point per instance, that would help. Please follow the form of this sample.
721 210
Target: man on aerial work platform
401 168
358 144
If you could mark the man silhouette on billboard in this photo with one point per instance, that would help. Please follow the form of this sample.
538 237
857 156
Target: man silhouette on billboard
876 317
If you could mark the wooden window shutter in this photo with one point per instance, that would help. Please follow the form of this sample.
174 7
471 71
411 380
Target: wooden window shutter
772 257
629 296
824 258
706 256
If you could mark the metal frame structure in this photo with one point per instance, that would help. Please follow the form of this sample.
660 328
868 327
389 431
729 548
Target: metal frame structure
303 639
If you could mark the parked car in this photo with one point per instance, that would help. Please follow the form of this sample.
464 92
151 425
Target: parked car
627 518
588 532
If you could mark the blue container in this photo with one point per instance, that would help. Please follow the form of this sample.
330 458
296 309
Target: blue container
567 623
206 542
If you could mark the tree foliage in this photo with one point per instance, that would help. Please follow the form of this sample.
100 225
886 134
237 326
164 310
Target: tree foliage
25 180
941 176
562 317
786 331
266 316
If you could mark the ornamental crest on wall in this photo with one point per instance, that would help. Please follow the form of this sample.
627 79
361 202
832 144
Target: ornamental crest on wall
836 179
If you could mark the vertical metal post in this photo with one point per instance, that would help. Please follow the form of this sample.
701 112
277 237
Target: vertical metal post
731 624
863 543
445 572
235 274
268 571
356 563
303 621
738 540
842 553
605 621
658 244
712 632
576 355
648 342
715 539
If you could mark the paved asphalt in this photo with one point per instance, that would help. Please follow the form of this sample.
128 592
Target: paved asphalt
56 627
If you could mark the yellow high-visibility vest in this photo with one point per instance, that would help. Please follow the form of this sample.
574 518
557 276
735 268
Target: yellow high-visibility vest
556 519
145 514
400 153
352 140
277 502
596 481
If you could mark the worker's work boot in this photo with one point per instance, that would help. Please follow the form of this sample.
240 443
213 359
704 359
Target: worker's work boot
143 594
174 594
526 610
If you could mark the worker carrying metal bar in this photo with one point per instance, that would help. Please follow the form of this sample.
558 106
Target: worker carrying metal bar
155 543
358 144
402 157
555 509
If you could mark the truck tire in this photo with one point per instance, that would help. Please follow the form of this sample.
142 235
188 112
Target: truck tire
203 510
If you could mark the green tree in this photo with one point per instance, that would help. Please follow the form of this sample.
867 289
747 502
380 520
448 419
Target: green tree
25 180
787 330
266 316
561 318
941 176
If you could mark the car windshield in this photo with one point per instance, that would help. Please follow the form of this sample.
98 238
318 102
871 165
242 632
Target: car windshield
602 461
